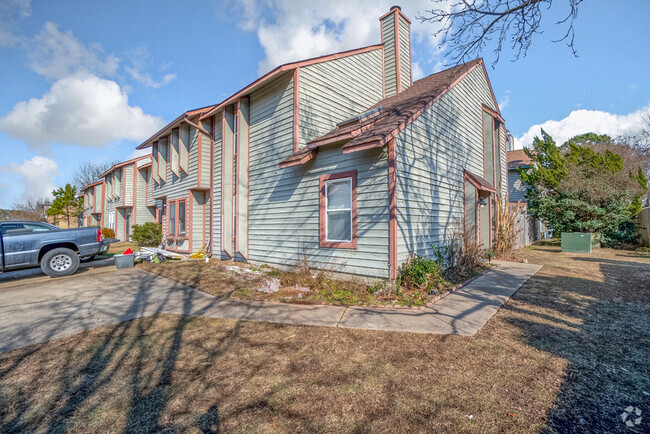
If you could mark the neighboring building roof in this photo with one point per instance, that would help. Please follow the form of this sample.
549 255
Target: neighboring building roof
185 117
124 163
388 117
91 185
517 158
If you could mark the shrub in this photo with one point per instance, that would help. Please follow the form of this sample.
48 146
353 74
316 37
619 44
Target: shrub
626 235
108 233
147 234
643 251
419 273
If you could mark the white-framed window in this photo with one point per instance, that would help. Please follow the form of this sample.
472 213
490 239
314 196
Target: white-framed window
338 210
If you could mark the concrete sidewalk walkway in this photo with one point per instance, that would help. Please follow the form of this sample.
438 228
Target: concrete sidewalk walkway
463 312
40 311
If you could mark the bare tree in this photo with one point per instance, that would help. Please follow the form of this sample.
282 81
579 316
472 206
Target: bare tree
639 139
31 209
467 26
88 172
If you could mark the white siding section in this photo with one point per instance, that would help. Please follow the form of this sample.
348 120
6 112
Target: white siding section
331 92
432 153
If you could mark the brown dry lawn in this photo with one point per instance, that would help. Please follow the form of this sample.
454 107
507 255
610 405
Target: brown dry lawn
298 286
568 353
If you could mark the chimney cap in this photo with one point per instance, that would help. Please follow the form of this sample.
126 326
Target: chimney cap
396 7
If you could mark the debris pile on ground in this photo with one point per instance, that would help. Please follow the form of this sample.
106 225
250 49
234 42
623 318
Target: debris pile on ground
271 285
240 270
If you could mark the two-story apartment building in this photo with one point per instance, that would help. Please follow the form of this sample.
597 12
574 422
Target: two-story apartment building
342 160
126 200
182 179
93 204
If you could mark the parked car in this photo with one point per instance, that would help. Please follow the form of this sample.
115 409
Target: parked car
57 251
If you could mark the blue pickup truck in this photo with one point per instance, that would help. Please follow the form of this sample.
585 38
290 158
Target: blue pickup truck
57 251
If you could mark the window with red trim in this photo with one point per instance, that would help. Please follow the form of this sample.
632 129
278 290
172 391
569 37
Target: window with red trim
338 210
177 217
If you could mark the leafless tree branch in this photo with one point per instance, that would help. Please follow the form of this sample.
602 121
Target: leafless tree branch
467 26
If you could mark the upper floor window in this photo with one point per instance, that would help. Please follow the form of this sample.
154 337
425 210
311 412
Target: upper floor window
338 210
492 148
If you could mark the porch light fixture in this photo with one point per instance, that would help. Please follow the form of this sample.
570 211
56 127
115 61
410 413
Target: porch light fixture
482 202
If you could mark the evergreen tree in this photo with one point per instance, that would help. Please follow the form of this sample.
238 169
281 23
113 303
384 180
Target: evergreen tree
65 203
576 189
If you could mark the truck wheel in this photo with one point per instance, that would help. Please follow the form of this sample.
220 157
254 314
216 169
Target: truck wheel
59 262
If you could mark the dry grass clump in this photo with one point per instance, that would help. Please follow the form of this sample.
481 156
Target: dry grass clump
505 237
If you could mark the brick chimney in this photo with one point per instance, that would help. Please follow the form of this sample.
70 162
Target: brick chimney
396 37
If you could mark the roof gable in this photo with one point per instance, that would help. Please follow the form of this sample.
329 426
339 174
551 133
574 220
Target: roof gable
518 158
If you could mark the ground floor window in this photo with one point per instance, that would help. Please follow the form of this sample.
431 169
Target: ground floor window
177 217
338 210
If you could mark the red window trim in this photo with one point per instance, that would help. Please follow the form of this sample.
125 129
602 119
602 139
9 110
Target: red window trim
177 203
323 235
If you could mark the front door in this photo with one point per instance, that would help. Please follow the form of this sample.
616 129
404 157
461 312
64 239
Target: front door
485 204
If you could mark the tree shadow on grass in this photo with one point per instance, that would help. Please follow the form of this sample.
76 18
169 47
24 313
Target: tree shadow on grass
604 339
150 366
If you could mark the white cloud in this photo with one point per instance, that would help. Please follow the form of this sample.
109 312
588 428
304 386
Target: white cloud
140 59
55 54
505 100
11 12
416 71
83 110
139 153
586 121
291 30
36 177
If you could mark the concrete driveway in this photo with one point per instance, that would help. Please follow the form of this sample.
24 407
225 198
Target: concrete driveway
39 309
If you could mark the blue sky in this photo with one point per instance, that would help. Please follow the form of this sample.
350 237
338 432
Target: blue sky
88 80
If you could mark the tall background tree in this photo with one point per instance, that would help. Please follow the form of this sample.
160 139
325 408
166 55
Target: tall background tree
468 26
65 203
583 185
88 172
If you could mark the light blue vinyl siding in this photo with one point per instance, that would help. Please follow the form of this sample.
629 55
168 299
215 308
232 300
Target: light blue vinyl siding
333 91
390 62
284 203
516 188
216 191
432 153
405 56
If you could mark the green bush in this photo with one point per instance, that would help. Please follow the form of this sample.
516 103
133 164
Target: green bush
108 233
147 234
420 273
626 235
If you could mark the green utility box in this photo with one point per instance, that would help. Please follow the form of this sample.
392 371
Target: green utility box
577 242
